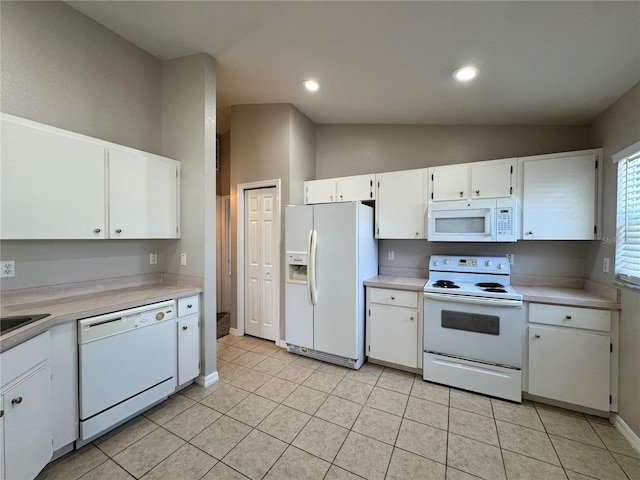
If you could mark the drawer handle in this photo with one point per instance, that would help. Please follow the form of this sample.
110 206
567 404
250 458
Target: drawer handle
118 230
189 306
567 317
185 327
16 401
393 298
537 335
410 318
97 230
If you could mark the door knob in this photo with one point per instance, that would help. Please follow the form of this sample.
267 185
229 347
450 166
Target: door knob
461 194
97 230
537 335
118 230
16 401
185 327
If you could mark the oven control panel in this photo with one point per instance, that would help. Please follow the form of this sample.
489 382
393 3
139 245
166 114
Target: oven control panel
473 264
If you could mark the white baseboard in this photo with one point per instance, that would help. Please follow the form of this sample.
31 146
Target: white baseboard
234 331
626 431
208 380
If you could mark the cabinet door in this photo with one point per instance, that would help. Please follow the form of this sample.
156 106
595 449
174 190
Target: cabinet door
320 191
449 182
52 185
559 198
401 203
143 195
188 349
393 335
570 366
492 179
358 187
28 425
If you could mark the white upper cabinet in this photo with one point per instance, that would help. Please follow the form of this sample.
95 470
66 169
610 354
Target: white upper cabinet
489 179
449 182
57 184
320 191
493 179
401 200
143 195
53 185
342 189
559 196
357 187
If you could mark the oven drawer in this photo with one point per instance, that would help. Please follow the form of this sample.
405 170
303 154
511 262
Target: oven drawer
398 298
565 316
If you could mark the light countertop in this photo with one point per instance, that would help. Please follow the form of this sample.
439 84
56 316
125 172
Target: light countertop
397 283
82 306
575 297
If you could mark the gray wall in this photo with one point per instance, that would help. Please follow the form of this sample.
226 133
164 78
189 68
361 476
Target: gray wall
343 150
61 68
274 141
189 133
617 128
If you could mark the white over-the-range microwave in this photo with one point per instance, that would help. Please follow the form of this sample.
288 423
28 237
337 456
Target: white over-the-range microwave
482 220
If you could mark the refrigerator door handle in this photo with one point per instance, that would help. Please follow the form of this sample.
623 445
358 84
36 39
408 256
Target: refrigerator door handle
313 244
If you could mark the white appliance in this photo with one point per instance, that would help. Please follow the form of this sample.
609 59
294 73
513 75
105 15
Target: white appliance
331 250
486 220
473 326
127 362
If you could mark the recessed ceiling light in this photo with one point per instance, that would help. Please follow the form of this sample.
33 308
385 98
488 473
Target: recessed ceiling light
465 74
311 85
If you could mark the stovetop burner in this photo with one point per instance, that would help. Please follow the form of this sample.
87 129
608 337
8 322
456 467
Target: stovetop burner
489 285
495 290
445 284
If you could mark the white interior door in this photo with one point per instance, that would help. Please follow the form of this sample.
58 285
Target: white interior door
261 263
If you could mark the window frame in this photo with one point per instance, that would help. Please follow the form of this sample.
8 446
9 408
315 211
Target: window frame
623 275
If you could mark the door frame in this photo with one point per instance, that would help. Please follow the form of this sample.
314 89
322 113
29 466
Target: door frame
240 246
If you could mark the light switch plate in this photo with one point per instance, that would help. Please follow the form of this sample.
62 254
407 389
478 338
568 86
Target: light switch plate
183 259
153 258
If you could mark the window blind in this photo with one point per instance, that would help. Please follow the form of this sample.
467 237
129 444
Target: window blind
628 220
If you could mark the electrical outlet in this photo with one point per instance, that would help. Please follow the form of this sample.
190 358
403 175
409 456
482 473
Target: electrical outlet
605 265
390 254
8 268
153 258
183 259
511 257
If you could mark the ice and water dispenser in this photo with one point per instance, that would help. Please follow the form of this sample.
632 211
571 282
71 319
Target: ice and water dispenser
297 263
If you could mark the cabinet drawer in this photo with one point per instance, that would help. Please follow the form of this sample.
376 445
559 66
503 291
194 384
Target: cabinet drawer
575 317
399 298
20 359
188 305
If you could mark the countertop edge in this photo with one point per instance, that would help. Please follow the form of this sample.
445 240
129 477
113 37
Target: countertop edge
412 284
27 332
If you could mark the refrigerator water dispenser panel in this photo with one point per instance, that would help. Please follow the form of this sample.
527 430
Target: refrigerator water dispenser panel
297 267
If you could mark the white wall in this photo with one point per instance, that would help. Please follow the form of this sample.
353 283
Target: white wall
617 128
60 68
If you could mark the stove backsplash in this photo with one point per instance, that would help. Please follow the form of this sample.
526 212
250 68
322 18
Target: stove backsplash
546 258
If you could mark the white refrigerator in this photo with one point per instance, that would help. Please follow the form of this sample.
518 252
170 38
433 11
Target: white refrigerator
330 251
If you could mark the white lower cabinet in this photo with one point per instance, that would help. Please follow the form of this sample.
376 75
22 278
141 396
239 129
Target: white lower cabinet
27 414
188 339
393 327
570 355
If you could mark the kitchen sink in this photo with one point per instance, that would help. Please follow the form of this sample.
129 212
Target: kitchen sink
10 323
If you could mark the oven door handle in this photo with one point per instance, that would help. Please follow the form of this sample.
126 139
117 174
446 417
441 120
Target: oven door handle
494 302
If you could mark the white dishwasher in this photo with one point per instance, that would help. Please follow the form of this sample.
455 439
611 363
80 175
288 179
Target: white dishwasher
127 362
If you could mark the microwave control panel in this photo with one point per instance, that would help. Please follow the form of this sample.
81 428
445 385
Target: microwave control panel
505 220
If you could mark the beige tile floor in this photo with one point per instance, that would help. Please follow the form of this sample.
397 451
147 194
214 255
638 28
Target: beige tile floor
274 415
